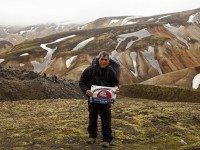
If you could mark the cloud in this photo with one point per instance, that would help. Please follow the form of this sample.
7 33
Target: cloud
42 11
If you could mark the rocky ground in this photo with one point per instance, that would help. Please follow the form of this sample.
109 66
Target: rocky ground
61 124
21 84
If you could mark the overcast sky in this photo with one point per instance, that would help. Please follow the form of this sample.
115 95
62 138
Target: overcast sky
26 12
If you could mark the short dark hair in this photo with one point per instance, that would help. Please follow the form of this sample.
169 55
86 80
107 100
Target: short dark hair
104 54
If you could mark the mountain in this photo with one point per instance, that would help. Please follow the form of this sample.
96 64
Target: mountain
147 47
5 44
172 18
18 34
155 52
181 78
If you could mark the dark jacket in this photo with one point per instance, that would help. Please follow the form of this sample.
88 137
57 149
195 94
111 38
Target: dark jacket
94 75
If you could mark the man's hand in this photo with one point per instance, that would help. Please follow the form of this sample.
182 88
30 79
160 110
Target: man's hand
117 90
89 93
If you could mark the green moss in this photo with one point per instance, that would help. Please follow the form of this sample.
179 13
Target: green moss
136 124
160 93
195 146
172 141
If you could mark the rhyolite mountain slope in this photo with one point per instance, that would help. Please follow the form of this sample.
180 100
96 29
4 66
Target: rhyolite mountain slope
172 18
147 47
18 34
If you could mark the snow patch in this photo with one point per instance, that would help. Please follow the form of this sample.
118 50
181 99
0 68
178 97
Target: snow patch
22 32
150 57
127 19
70 60
164 17
49 51
31 30
131 22
21 65
129 44
140 34
1 60
38 67
134 56
25 54
150 19
82 27
113 21
82 44
169 44
62 39
175 31
194 18
115 55
196 81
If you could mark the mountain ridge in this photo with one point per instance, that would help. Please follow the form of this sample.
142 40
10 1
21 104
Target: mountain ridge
144 49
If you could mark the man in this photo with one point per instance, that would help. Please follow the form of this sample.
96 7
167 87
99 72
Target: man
101 74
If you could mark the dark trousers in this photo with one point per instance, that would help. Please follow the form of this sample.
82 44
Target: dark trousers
105 114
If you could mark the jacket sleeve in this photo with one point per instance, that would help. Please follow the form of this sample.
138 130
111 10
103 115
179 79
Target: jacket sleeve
85 79
113 77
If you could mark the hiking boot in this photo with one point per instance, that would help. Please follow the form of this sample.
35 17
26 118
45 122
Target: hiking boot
105 144
91 141
111 142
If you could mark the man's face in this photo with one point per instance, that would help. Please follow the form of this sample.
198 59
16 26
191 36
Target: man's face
103 61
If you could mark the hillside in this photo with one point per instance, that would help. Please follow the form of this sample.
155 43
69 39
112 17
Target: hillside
21 84
18 34
172 18
182 78
151 47
162 93
137 124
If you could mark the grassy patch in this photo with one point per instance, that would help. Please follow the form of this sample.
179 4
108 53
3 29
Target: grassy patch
161 93
62 124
